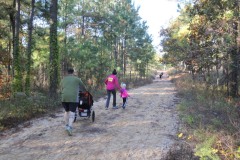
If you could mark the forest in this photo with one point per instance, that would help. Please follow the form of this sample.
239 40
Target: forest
41 39
205 40
203 44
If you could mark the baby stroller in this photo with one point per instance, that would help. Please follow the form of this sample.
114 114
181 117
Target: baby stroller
85 106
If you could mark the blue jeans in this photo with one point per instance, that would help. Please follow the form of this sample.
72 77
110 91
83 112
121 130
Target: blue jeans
109 92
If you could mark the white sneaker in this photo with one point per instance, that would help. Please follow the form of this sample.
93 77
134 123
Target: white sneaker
69 131
66 127
115 107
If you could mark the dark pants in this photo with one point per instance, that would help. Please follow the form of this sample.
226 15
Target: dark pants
70 106
124 102
109 92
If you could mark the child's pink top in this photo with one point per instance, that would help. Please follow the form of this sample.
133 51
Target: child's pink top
111 82
124 93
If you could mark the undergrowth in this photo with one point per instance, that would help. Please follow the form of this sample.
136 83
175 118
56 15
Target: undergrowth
211 121
22 108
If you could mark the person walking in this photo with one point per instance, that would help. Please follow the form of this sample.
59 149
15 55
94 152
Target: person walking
112 84
124 95
161 74
70 87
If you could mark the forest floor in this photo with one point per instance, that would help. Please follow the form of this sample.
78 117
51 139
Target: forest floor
146 129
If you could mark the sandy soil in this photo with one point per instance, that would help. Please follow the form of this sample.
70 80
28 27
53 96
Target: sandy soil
146 129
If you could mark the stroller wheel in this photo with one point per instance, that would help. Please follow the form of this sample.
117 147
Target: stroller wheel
93 116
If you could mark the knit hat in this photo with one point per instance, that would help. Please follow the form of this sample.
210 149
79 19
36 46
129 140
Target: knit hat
123 85
114 72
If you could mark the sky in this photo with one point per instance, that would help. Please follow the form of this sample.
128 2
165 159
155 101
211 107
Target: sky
157 13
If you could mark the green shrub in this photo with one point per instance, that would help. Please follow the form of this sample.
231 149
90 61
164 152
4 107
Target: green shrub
205 150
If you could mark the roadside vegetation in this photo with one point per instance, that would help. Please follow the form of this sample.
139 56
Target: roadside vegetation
20 108
203 45
211 122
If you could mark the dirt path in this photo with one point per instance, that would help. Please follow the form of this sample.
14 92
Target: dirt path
144 130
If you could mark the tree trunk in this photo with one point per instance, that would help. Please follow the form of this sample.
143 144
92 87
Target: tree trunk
125 57
64 52
17 78
54 55
234 73
12 22
29 49
122 55
234 55
217 69
115 52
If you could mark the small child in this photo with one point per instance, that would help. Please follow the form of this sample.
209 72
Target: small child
124 94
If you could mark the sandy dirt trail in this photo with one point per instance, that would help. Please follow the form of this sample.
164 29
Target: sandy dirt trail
146 129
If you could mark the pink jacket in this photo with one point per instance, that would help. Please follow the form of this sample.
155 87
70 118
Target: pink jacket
124 93
112 82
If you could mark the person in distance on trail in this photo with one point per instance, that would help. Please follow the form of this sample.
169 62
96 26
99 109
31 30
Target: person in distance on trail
70 87
161 74
111 83
124 94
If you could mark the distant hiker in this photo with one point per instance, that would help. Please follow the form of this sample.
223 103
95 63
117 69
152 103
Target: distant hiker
124 94
161 74
111 83
70 87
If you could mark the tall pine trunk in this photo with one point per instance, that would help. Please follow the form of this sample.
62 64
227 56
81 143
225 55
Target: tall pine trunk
234 55
29 49
116 52
17 77
54 54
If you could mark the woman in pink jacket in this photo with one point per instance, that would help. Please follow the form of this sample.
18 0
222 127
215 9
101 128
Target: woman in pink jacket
111 84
